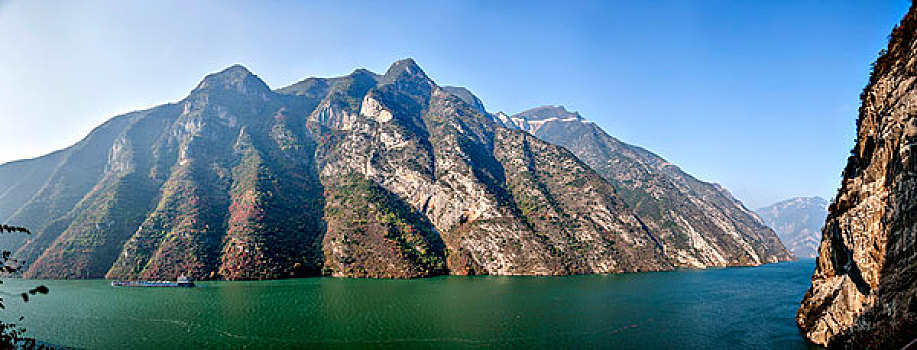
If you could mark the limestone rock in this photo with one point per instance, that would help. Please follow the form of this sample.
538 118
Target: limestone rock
864 289
697 224
363 175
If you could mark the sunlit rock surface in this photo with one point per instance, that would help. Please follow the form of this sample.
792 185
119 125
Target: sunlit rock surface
864 289
364 175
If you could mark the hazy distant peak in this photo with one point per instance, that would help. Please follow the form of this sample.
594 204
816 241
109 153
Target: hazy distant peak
801 202
467 96
364 72
236 78
534 119
548 112
798 222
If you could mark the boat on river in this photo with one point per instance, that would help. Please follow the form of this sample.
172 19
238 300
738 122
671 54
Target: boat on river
182 281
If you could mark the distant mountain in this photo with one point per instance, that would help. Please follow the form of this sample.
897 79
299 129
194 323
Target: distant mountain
698 223
798 222
365 175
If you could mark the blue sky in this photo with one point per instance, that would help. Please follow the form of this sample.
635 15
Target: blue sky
760 96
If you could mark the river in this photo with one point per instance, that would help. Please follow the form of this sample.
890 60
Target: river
743 307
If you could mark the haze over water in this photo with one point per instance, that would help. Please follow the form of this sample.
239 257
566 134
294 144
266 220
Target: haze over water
695 309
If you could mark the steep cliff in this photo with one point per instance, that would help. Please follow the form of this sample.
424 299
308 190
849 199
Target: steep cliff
798 222
864 289
698 224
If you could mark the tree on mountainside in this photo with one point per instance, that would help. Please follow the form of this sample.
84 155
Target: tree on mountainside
12 335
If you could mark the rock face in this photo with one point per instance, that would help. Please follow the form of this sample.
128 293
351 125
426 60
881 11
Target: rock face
365 175
864 289
798 222
698 224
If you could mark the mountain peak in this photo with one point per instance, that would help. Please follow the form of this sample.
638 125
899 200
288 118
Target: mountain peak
404 69
236 68
546 112
235 78
363 71
798 222
815 201
403 64
802 202
467 96
287 180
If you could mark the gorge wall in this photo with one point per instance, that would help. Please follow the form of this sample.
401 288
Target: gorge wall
864 289
366 175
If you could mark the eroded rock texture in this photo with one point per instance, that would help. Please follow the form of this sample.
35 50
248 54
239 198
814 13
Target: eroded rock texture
864 289
365 175
698 224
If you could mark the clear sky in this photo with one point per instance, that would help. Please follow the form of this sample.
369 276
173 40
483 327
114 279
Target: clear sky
760 96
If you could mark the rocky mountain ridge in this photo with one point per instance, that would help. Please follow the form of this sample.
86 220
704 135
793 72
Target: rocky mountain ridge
698 224
364 175
798 222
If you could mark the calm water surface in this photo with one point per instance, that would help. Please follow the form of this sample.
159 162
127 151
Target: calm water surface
699 309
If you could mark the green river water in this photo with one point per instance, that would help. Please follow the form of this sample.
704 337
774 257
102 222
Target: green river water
687 309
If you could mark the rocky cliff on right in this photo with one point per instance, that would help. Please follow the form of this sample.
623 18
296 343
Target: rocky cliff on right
864 288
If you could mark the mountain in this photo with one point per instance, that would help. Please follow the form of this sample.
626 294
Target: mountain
798 222
698 224
365 175
864 288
